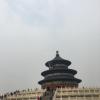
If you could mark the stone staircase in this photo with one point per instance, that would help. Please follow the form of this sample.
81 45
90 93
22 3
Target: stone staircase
48 95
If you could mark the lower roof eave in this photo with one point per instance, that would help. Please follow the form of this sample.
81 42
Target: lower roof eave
67 80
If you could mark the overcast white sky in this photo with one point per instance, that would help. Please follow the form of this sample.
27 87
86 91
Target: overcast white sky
32 30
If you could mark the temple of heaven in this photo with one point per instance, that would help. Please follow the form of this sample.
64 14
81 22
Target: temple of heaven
59 75
59 83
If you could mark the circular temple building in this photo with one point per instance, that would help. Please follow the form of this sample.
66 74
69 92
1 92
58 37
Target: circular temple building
58 84
59 75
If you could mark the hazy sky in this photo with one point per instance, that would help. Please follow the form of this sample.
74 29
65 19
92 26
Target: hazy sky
32 30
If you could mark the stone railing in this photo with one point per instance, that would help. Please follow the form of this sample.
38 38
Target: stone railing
59 93
77 94
24 94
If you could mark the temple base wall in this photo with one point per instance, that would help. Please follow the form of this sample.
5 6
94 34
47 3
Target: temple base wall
54 85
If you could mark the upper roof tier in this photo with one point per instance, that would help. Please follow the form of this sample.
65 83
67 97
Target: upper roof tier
57 60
